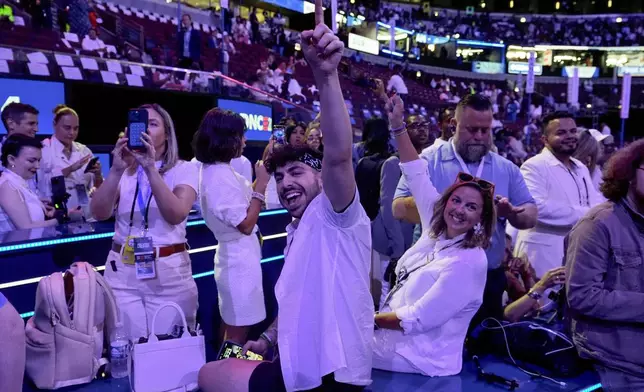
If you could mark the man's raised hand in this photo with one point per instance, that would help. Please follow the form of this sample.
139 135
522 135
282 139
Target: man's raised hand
322 49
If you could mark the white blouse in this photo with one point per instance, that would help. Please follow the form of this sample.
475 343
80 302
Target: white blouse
161 232
439 297
54 161
34 205
224 197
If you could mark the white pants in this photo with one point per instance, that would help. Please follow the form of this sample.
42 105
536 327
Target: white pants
138 300
379 263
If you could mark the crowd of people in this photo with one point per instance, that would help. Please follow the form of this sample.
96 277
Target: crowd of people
515 29
419 235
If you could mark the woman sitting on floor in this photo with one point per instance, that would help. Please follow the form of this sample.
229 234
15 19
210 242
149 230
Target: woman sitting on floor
423 323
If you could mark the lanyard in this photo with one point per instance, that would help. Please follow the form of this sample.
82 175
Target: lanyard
479 171
144 212
403 275
582 202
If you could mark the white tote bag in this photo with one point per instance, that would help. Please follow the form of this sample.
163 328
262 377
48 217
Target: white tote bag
168 365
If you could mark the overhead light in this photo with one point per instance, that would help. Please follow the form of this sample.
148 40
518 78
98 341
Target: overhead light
418 74
557 5
457 36
435 13
360 17
341 12
482 5
501 41
511 3
523 19
353 1
618 20
588 106
610 3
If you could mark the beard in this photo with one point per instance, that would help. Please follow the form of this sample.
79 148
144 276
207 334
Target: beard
565 149
472 152
298 205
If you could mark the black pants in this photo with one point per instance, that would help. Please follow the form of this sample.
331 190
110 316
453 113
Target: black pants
492 297
267 377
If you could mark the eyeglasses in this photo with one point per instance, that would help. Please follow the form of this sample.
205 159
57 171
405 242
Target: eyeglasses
485 186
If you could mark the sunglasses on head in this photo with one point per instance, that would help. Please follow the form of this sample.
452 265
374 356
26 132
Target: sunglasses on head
485 186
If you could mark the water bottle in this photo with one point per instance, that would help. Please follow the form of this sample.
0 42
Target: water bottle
119 352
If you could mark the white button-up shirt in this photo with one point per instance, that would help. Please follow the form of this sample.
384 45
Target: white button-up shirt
54 161
325 320
397 83
562 196
437 301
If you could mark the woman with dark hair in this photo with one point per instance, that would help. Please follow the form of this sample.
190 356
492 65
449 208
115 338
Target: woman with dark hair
295 135
231 209
63 156
20 206
604 269
150 193
424 320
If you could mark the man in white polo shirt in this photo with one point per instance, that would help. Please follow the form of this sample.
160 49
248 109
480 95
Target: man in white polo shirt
324 328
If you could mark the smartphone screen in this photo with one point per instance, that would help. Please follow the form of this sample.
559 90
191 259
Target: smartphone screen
234 350
137 125
91 164
278 134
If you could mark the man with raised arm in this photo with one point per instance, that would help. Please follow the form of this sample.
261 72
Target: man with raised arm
325 308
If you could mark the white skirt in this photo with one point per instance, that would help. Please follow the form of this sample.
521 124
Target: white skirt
238 274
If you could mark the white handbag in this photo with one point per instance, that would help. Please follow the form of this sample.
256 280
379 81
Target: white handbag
168 365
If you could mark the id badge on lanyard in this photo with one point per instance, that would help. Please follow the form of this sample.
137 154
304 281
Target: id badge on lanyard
138 250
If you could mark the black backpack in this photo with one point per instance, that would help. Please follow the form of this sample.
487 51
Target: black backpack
368 182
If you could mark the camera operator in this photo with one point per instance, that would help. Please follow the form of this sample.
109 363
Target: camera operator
20 206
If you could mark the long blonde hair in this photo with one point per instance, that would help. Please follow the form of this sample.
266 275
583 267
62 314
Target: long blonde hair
587 151
171 154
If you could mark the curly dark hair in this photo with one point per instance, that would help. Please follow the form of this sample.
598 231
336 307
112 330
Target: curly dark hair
219 137
488 218
620 170
284 154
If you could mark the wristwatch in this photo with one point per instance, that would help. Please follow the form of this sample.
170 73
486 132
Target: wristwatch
534 294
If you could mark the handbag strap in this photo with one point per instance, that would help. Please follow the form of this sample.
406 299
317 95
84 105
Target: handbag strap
153 336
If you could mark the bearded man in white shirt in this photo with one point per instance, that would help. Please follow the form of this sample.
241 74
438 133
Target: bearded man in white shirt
563 190
326 311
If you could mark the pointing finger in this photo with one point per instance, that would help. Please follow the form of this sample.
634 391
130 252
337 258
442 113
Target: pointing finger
319 13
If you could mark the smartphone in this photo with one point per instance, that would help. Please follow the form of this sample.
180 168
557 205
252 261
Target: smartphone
234 350
372 84
278 134
137 125
91 164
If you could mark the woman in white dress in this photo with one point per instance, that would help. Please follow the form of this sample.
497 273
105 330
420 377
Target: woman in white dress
422 326
20 206
231 209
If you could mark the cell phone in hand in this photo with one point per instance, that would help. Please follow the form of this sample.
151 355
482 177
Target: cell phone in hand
278 134
233 350
90 164
372 83
137 125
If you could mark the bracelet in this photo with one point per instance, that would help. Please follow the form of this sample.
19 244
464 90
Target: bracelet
399 133
268 339
258 196
396 130
534 295
375 324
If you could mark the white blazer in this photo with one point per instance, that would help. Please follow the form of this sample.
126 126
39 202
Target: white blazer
562 196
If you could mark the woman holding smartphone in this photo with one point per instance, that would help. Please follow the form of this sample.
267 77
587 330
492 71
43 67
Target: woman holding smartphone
63 156
151 192
231 206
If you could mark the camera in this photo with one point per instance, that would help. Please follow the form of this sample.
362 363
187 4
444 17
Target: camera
59 197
